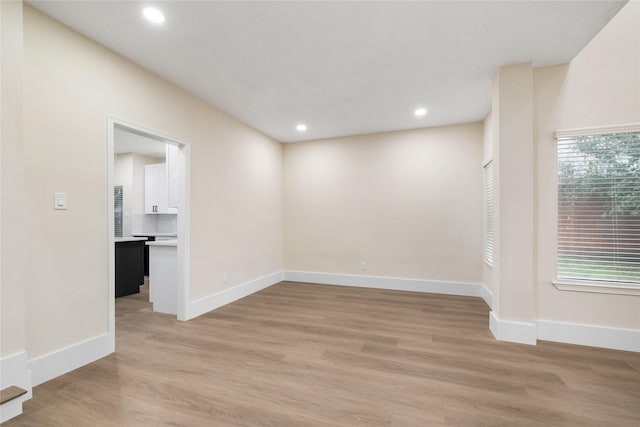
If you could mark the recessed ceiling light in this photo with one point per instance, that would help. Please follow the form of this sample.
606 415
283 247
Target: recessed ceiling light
301 127
420 112
153 15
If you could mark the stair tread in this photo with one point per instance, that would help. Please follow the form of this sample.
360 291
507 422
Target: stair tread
11 393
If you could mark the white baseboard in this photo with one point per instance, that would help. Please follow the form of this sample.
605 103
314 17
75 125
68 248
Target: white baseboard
594 336
56 363
487 296
213 301
505 330
391 283
11 409
14 370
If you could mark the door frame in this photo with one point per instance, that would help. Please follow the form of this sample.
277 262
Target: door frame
184 167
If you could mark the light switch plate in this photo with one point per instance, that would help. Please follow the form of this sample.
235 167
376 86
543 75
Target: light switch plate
60 201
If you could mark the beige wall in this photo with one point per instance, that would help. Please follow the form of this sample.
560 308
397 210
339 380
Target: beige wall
71 84
488 126
600 87
408 203
13 255
513 156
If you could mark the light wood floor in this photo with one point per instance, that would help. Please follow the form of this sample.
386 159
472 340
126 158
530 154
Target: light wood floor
311 355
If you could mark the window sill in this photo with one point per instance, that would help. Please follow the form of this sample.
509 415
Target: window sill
597 287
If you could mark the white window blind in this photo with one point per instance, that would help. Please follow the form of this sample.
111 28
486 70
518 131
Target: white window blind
488 213
599 207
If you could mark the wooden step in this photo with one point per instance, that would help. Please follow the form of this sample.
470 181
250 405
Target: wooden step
11 393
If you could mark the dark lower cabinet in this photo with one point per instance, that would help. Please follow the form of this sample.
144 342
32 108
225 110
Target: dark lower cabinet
129 267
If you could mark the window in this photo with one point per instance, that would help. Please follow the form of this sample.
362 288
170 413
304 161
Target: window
488 213
117 210
599 207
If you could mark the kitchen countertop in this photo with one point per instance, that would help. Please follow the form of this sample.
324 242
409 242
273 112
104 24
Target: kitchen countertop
155 234
173 242
130 239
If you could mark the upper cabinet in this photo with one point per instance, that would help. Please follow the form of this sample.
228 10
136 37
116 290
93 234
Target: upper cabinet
161 184
155 189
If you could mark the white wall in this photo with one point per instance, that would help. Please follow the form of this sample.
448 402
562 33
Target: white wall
71 85
600 87
408 203
128 171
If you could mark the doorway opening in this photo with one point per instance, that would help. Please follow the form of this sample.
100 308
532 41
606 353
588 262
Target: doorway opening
148 206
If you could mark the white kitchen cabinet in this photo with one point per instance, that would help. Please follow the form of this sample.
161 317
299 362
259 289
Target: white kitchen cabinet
163 275
155 189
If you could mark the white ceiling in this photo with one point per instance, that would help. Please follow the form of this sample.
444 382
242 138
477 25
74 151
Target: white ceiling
342 68
126 140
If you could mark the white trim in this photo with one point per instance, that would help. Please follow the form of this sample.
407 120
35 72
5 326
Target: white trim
595 336
111 277
226 296
598 130
184 233
391 283
14 370
11 409
183 288
487 295
59 362
597 287
505 330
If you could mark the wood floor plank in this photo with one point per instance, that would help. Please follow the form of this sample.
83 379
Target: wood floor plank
311 355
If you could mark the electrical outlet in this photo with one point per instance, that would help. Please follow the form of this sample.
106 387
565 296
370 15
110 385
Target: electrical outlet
225 277
363 266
